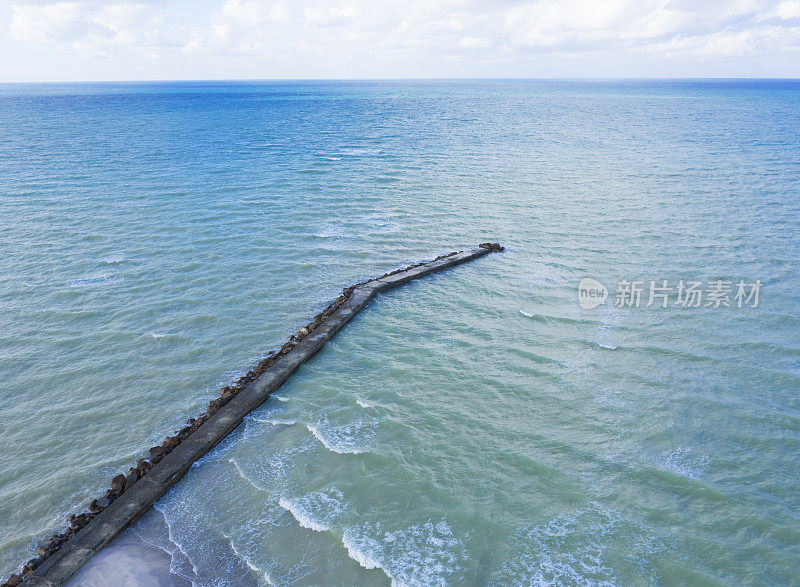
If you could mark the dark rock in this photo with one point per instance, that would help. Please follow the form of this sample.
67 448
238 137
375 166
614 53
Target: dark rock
103 502
156 452
79 522
171 442
493 247
118 483
13 581
51 551
132 478
143 466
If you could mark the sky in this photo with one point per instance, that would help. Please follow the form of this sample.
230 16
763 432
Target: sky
92 40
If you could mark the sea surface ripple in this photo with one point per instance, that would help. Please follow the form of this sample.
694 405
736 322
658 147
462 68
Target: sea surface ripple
475 427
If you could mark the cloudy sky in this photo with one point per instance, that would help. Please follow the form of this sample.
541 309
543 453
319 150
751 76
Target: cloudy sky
42 40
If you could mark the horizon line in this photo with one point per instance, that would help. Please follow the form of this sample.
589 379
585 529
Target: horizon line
388 79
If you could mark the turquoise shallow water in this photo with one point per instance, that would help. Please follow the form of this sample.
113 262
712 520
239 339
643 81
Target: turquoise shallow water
475 427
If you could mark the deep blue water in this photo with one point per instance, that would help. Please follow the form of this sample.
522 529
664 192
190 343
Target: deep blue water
476 427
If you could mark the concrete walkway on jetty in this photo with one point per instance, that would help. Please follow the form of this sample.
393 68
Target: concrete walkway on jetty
131 499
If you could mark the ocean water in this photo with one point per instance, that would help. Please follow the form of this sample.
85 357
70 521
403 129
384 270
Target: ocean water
477 427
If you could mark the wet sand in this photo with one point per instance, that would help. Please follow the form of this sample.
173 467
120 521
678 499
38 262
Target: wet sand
128 562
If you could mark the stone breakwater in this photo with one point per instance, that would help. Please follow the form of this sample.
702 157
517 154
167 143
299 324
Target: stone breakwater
132 493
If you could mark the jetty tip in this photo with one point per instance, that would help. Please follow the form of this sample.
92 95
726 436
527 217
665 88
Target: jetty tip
492 247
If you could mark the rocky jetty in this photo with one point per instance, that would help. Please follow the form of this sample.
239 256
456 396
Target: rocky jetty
125 481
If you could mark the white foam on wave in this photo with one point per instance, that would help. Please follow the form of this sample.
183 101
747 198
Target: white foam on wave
157 535
606 331
363 404
303 517
245 477
276 422
358 548
280 398
422 554
340 445
172 538
568 549
573 549
113 259
526 314
222 450
315 511
603 345
684 462
249 564
353 437
277 469
165 335
332 231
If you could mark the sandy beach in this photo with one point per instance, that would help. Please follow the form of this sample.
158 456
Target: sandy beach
128 562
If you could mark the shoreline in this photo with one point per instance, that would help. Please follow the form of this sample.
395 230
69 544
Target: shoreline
128 561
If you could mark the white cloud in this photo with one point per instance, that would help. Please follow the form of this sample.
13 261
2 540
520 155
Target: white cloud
328 16
64 21
89 27
474 42
401 37
249 14
788 9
